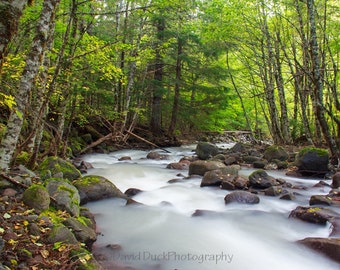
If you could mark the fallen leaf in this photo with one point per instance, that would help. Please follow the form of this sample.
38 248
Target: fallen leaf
7 216
44 253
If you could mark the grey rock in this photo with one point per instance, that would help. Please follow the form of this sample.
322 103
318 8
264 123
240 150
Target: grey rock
200 167
205 150
260 179
241 196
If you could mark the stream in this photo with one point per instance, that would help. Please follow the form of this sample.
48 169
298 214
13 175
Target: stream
161 233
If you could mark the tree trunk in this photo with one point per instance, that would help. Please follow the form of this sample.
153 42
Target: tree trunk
175 106
239 96
31 69
10 13
156 111
281 92
268 78
317 81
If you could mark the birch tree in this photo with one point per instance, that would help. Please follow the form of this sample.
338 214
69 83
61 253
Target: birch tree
31 70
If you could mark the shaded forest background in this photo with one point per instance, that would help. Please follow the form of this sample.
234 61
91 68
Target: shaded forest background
73 72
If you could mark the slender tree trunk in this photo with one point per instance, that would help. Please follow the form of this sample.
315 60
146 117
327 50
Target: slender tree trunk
31 69
156 111
239 96
175 106
317 81
37 114
281 92
10 13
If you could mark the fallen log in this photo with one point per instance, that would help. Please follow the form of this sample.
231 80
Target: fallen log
146 141
97 142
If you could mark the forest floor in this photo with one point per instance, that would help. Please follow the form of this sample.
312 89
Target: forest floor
23 243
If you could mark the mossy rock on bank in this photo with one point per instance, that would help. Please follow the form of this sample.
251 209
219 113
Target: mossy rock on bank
312 161
81 231
37 197
66 196
55 165
94 188
60 233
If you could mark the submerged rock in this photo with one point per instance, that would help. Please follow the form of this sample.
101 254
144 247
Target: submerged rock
327 246
130 192
241 196
320 200
315 215
157 156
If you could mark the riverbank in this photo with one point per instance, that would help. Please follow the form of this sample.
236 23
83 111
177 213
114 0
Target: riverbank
25 231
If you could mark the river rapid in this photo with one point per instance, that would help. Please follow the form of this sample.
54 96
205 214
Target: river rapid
161 233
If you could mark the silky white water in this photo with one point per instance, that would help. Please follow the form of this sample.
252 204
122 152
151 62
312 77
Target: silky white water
160 233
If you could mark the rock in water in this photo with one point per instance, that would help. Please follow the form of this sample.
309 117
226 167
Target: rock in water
260 179
205 150
241 196
312 161
327 246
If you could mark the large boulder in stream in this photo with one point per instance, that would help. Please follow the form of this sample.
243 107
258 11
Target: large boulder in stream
94 188
205 150
260 179
327 246
241 196
200 167
312 161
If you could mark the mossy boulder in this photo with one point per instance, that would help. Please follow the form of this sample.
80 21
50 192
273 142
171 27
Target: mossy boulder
205 150
312 161
37 197
55 165
60 233
94 188
81 231
275 152
66 196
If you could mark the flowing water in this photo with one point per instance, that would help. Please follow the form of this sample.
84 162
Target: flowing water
161 233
